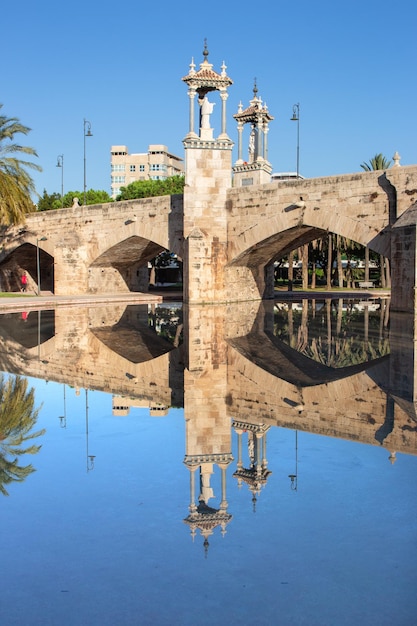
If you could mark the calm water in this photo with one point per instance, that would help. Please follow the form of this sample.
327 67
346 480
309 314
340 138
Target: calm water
213 466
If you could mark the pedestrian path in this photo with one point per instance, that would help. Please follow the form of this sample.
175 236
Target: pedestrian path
24 302
27 301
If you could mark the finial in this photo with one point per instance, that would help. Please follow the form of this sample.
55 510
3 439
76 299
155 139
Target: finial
255 88
224 67
396 158
192 66
392 457
205 51
240 107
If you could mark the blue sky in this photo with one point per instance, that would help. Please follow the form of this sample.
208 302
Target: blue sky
351 66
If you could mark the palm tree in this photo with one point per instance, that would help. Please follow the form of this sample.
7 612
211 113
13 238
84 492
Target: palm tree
16 184
378 162
17 418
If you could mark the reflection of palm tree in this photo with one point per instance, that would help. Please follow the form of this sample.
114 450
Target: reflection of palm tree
17 418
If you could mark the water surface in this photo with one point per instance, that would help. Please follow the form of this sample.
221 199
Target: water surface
182 481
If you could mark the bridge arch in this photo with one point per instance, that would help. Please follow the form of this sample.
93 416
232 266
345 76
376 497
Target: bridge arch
280 230
123 265
34 260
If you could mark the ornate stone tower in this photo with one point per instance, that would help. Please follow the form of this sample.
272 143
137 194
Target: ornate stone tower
256 170
208 175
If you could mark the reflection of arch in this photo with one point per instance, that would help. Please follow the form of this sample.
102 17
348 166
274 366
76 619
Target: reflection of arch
276 357
28 329
132 338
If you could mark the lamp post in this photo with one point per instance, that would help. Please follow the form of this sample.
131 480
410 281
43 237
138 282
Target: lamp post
296 118
60 163
63 418
38 264
87 133
90 457
294 477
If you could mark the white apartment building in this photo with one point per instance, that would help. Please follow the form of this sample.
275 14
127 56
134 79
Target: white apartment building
156 164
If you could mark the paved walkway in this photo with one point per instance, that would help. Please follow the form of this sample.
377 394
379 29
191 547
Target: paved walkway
25 302
21 302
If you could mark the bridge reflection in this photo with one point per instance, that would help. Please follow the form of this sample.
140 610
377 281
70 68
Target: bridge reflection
236 375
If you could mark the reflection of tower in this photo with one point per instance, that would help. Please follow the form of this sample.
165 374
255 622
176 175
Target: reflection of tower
202 516
208 447
256 475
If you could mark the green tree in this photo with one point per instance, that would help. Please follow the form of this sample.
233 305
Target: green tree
152 188
16 184
92 196
17 419
378 162
49 201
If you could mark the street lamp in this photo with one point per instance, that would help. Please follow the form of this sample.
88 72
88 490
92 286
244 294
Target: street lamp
296 118
87 133
38 264
60 163
90 457
294 477
63 418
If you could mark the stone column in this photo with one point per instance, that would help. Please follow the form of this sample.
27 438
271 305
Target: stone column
223 95
192 94
265 130
239 140
259 137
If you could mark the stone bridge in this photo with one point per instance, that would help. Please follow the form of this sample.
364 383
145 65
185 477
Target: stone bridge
229 226
227 236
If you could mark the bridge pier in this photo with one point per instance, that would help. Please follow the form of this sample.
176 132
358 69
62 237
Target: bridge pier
404 262
208 177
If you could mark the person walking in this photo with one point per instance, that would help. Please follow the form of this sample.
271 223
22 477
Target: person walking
24 281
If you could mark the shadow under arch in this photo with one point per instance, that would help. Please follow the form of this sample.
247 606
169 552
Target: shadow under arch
277 245
129 261
277 358
24 258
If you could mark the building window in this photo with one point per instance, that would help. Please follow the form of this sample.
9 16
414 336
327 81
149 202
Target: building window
118 179
141 168
132 168
117 167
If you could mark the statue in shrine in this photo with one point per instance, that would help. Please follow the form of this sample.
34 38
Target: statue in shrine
206 110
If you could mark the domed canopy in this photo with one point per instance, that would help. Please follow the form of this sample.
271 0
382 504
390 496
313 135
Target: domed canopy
254 111
206 79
